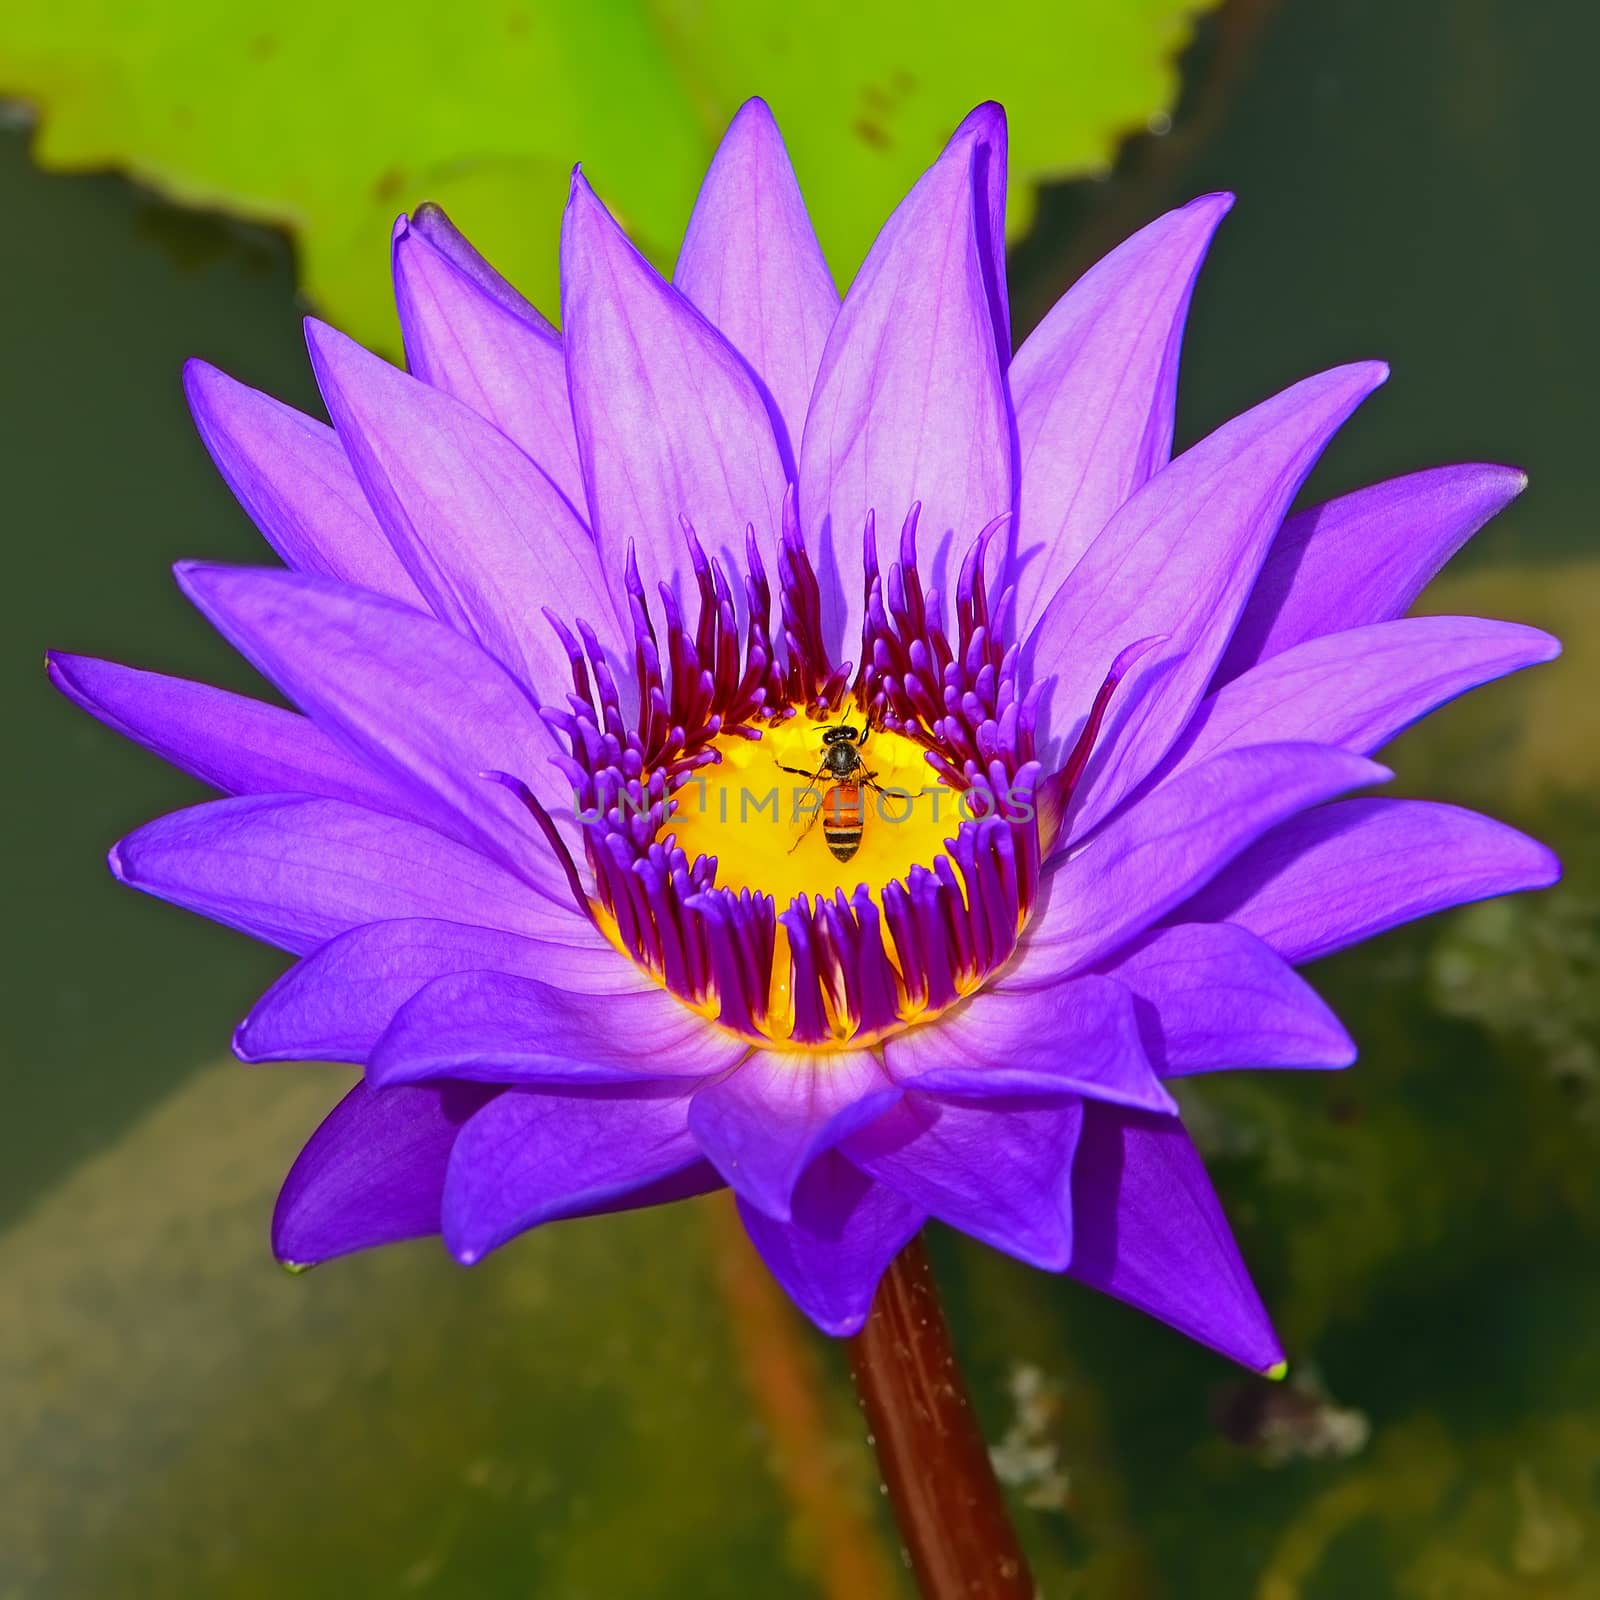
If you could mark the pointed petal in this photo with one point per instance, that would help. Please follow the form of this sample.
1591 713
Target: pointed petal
431 224
469 333
1094 388
843 1233
1078 1037
1149 1230
290 474
295 872
764 1124
1358 689
410 698
1164 848
1178 560
910 403
1213 997
487 537
1363 557
505 1029
995 1168
670 421
1343 873
751 263
233 743
534 1155
373 1173
335 1004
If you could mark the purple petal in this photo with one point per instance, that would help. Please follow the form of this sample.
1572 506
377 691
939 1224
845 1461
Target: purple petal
296 872
505 1029
1343 873
1148 1229
671 423
1094 388
764 1124
335 1005
985 124
235 744
1161 850
1178 560
409 697
997 1169
843 1233
1363 557
1358 689
1078 1037
488 538
290 474
1213 997
431 224
469 333
534 1155
373 1173
751 263
910 404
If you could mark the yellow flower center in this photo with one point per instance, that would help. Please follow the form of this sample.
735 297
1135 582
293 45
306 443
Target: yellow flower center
815 830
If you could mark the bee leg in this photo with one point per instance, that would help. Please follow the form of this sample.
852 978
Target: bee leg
812 780
869 781
806 830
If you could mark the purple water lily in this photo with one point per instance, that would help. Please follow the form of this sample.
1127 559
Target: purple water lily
587 632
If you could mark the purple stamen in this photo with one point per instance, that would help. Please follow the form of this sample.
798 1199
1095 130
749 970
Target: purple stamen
858 967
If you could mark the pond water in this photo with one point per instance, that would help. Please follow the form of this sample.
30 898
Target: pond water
625 1408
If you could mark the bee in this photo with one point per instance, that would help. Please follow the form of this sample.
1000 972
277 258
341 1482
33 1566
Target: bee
840 780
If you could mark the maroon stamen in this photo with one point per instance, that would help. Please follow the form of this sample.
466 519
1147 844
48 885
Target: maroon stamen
857 965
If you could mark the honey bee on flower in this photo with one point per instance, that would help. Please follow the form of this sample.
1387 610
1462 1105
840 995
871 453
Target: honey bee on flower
549 600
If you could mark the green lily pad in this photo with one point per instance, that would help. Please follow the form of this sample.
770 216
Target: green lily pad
329 121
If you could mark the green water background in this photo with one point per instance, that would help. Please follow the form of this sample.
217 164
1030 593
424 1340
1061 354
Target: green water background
577 1417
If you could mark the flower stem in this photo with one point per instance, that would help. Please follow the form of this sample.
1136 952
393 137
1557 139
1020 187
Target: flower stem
952 1517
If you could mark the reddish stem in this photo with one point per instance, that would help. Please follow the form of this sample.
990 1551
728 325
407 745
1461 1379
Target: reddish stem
951 1514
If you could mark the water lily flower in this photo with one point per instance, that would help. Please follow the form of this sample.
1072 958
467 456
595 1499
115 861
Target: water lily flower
589 630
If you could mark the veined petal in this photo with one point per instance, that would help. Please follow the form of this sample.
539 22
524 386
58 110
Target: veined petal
764 1124
1148 1229
997 1169
533 1155
1346 872
843 1232
233 743
1359 688
430 223
1177 560
1363 557
469 333
409 697
751 263
335 1004
910 403
295 872
1094 388
985 124
505 1029
373 1173
1078 1037
670 421
290 474
1158 853
488 539
1212 997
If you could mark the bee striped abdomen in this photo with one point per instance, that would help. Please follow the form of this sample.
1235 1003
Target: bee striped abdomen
843 818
